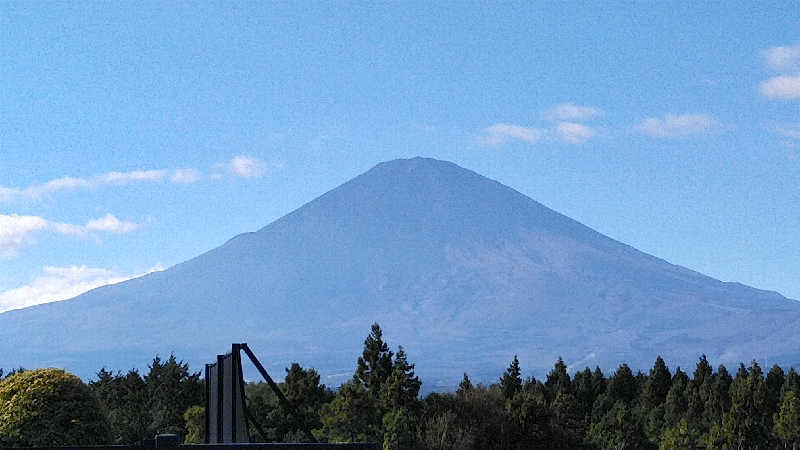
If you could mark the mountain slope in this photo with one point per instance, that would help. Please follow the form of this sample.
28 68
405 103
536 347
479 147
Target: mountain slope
459 269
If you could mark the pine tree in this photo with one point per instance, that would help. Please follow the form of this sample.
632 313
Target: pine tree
402 387
622 386
787 420
353 416
720 402
558 380
745 424
375 363
511 381
584 391
658 384
774 381
465 385
791 382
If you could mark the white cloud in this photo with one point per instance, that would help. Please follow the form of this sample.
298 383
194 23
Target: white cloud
571 112
185 176
136 175
675 126
784 87
17 231
111 224
247 167
75 183
783 58
500 133
60 283
574 133
791 133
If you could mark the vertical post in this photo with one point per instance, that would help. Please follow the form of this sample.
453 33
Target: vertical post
208 404
234 396
220 384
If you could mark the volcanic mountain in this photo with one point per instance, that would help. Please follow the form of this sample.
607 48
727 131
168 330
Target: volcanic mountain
462 271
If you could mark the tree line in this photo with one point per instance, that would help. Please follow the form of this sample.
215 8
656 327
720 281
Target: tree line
662 409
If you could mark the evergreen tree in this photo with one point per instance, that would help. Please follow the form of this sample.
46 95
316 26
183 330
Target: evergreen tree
599 381
126 401
775 379
465 385
745 425
353 416
619 428
558 380
402 387
787 421
720 402
171 390
400 429
584 391
699 415
375 362
622 386
791 382
658 384
677 401
306 395
568 422
530 419
511 381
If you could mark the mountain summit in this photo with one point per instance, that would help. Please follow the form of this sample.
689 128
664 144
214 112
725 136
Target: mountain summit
462 271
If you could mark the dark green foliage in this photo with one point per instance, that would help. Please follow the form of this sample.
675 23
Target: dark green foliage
126 401
746 424
400 429
375 363
558 381
353 416
49 407
402 387
381 404
787 420
465 385
622 386
306 396
657 384
775 379
618 428
511 381
171 390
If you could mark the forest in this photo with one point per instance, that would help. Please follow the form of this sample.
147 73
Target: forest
588 409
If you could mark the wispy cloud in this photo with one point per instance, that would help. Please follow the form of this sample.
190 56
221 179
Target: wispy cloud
61 283
786 61
111 224
500 133
185 176
247 167
572 112
18 231
783 58
784 87
240 166
677 126
75 183
574 133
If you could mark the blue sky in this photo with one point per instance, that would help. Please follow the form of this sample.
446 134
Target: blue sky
134 136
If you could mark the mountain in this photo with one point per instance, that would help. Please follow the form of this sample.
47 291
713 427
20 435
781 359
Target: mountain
462 271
